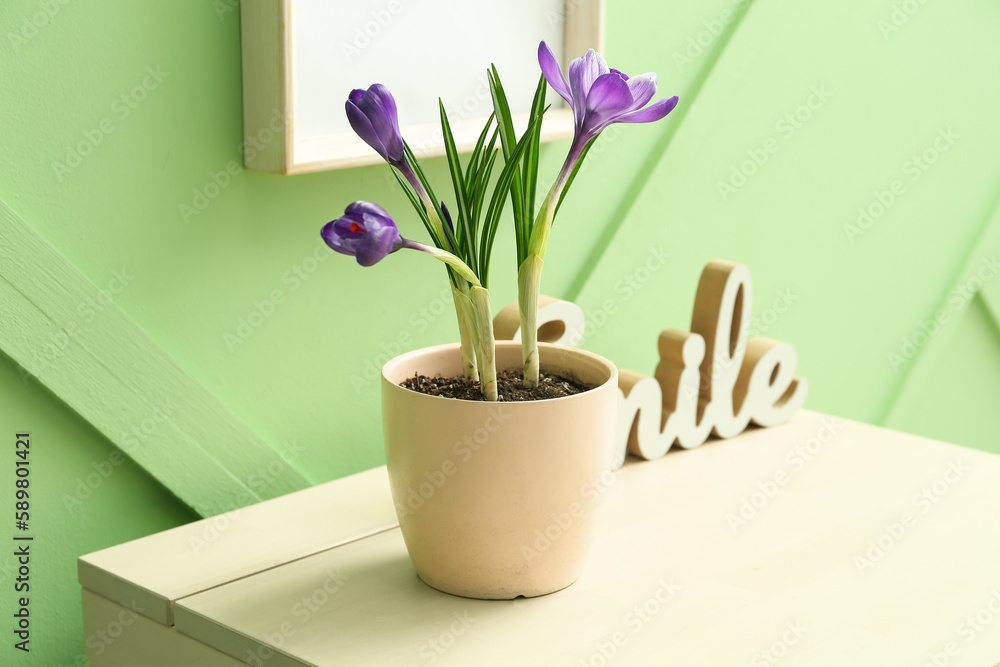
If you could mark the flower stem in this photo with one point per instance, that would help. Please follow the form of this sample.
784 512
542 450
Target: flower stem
529 274
437 225
460 267
485 343
539 240
529 279
467 330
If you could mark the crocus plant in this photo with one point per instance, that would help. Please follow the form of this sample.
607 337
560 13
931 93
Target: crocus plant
598 96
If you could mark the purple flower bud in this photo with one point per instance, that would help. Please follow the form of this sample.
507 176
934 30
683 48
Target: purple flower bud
373 116
365 231
600 96
447 220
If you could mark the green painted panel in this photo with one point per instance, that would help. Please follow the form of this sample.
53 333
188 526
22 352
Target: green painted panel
70 335
835 129
936 350
958 386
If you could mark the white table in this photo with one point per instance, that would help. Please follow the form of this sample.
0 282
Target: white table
818 542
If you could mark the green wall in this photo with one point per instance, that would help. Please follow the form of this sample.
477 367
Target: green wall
85 495
882 86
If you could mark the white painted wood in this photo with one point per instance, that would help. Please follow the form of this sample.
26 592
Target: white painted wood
157 570
117 636
584 28
302 57
267 102
705 557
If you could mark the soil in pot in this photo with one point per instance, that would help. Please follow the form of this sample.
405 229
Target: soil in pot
510 387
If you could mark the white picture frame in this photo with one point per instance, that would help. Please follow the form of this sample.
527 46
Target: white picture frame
292 126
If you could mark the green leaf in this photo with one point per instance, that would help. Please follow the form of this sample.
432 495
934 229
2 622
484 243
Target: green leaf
473 165
530 179
417 204
449 241
501 108
454 243
467 240
422 212
476 183
482 182
493 142
411 159
504 183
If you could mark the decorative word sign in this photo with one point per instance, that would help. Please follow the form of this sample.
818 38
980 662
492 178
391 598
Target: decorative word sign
711 380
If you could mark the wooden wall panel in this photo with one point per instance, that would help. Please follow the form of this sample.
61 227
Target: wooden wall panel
69 334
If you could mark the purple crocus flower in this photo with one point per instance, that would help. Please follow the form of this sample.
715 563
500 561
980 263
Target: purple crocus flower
600 96
373 116
365 231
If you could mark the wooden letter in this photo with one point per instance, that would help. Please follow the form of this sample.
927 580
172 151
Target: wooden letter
559 322
722 316
713 380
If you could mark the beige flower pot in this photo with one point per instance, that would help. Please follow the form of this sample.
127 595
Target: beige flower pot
498 500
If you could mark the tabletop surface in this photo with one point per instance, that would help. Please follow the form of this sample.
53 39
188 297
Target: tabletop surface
818 542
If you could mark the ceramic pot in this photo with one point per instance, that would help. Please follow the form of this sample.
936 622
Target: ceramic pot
498 500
